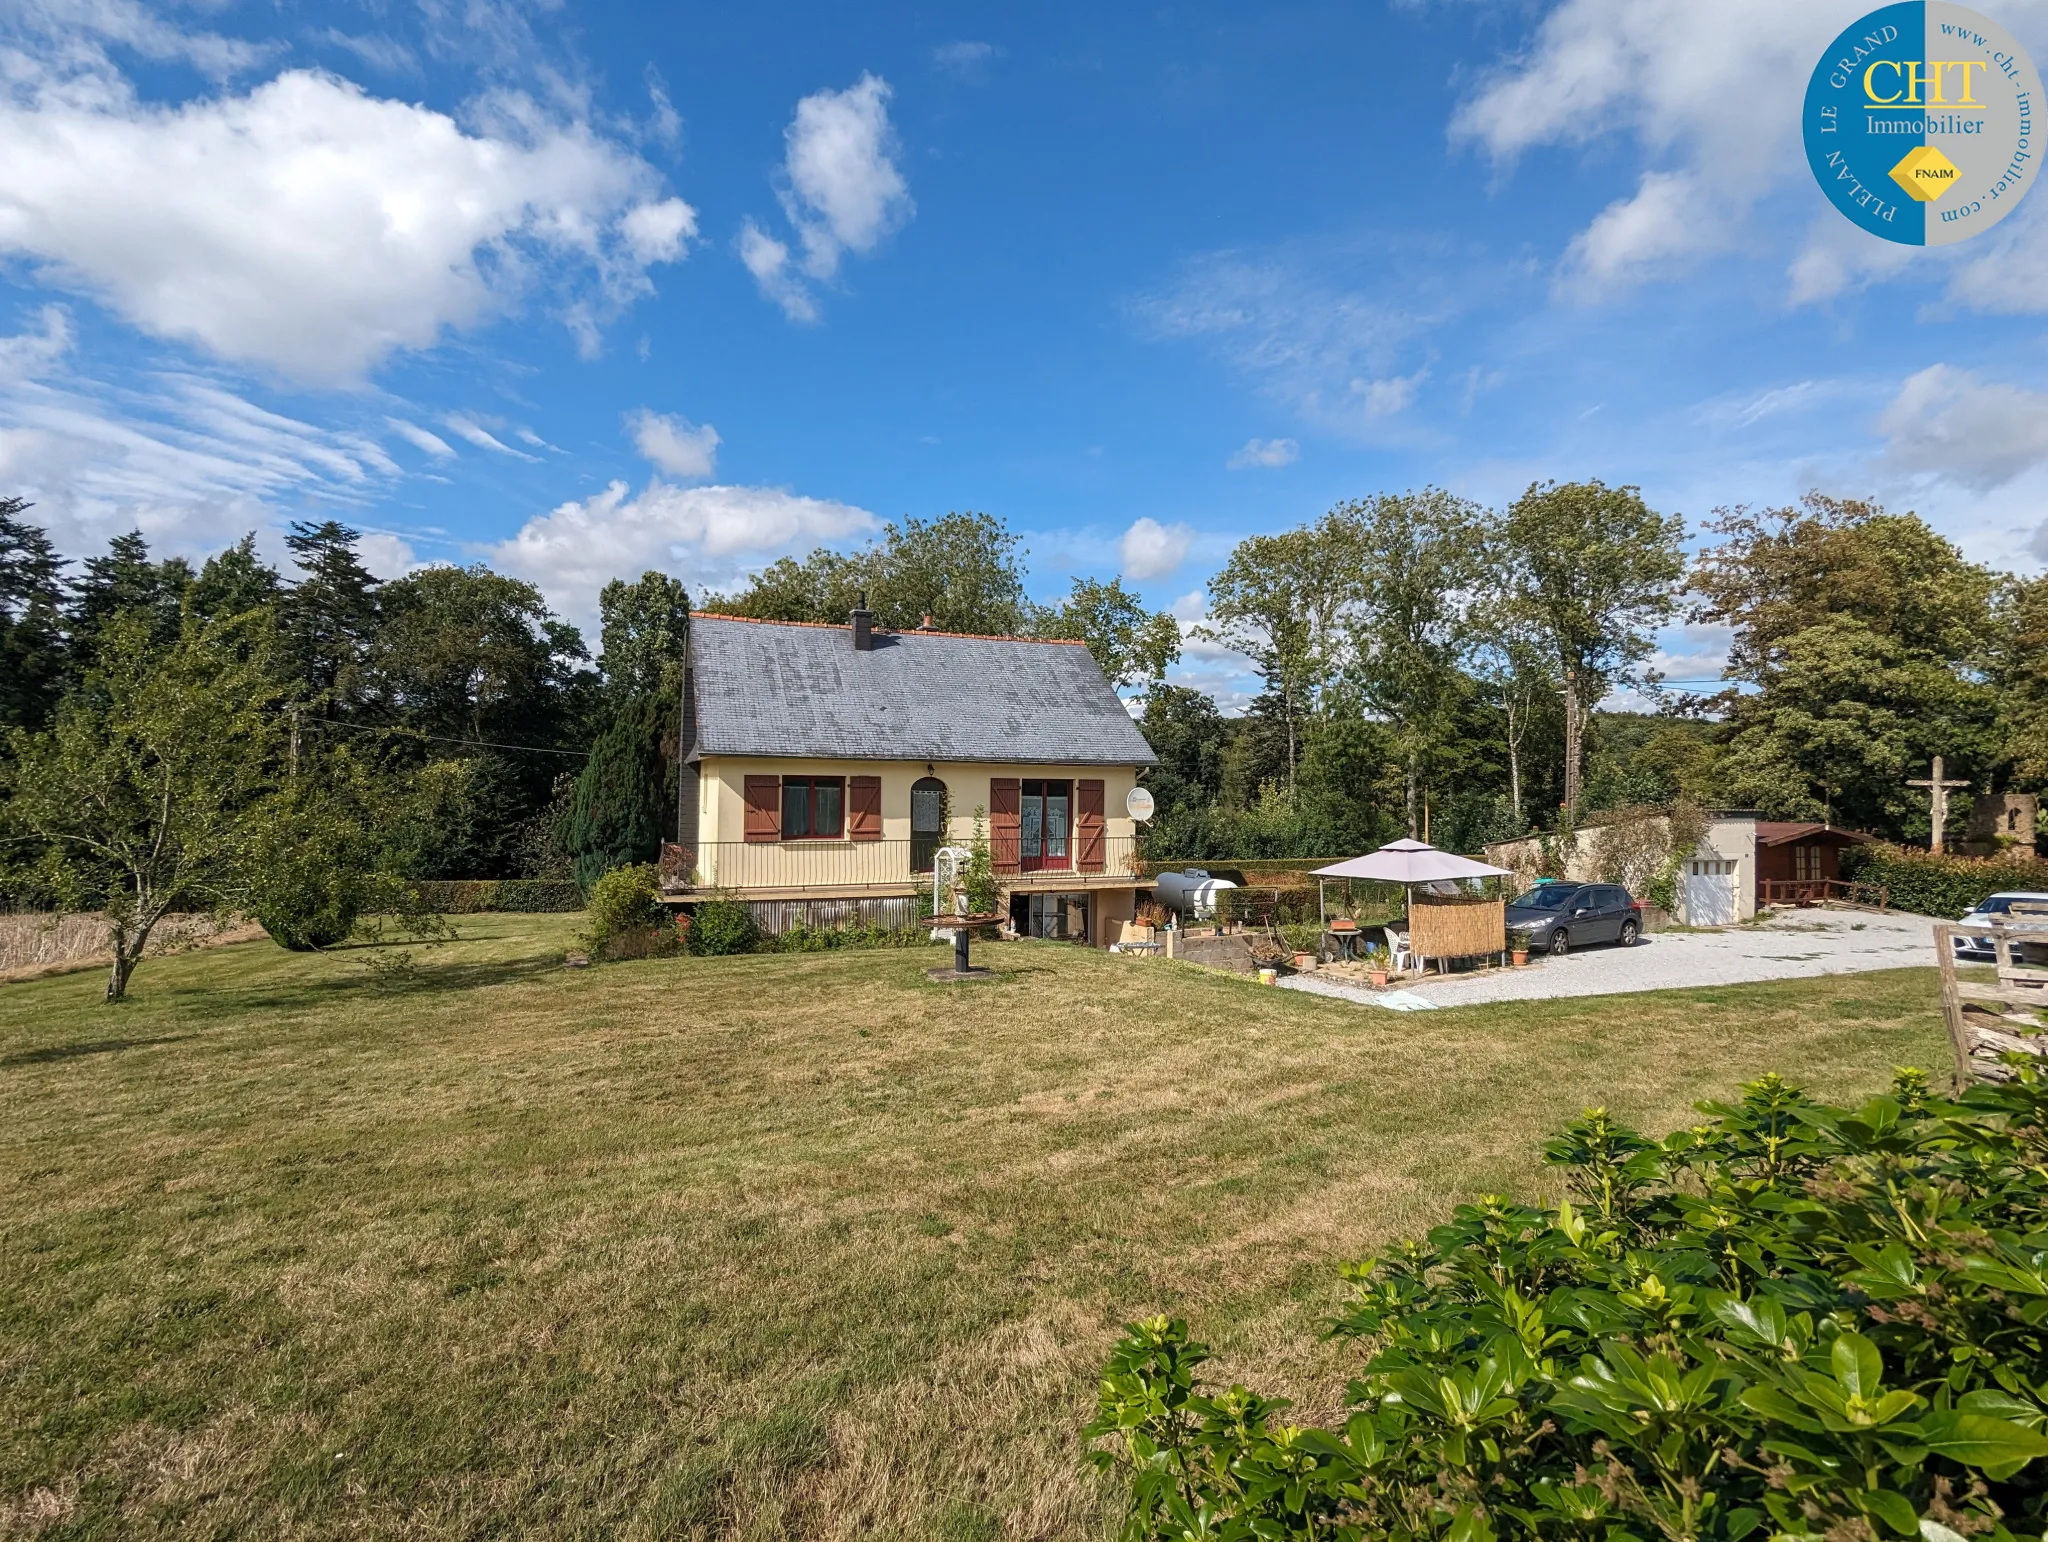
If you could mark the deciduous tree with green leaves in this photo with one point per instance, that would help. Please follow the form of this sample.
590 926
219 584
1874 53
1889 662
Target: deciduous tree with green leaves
1134 646
145 792
1596 571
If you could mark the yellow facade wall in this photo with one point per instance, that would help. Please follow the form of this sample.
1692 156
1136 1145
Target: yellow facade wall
721 809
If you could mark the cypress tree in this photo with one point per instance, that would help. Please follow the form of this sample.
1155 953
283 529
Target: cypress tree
616 817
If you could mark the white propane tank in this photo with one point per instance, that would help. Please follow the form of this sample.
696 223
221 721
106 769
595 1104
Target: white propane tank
1193 892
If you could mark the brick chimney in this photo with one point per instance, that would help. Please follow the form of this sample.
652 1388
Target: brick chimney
863 624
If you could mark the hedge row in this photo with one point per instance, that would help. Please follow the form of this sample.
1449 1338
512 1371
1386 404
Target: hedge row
1945 886
473 896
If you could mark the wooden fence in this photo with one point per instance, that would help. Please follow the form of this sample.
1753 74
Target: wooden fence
1987 1022
1464 927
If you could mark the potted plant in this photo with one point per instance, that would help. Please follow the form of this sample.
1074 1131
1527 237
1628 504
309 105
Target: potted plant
1376 966
1518 947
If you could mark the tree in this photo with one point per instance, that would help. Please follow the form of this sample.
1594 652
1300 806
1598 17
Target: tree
33 654
234 581
1594 568
1133 645
615 820
145 791
1776 572
125 580
1419 555
1189 736
646 632
1867 638
331 617
1514 673
1278 601
961 569
2018 667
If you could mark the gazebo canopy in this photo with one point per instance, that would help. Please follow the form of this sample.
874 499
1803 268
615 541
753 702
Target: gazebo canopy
1409 861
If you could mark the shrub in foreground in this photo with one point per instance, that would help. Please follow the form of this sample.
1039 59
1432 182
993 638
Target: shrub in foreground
1793 1321
626 916
722 925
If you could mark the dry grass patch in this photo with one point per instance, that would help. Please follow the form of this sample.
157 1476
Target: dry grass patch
766 1246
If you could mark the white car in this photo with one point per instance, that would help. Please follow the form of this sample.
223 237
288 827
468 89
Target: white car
1991 911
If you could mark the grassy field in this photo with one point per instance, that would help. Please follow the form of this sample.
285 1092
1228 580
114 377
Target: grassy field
765 1247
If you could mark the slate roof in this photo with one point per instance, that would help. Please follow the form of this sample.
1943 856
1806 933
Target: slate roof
782 688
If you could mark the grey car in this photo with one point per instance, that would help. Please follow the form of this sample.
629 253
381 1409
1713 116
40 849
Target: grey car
1560 916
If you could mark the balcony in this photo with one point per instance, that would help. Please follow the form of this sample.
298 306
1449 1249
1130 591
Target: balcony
832 869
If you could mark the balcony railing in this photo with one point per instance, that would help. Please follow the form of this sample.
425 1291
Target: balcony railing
881 865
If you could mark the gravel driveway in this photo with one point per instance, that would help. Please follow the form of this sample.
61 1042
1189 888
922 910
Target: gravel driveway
1791 945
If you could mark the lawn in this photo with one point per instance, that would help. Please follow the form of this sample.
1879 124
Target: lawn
771 1246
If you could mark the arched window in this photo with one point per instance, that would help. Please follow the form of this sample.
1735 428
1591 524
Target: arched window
927 821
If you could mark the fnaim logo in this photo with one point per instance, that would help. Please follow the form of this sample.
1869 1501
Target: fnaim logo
1920 123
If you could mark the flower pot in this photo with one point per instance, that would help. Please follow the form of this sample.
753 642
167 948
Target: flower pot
1521 957
1379 977
1304 961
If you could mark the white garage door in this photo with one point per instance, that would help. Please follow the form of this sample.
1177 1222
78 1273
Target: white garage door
1709 892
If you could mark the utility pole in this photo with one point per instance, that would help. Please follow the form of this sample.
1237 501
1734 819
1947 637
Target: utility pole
1937 801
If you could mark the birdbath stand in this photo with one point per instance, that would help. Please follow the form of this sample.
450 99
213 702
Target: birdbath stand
963 927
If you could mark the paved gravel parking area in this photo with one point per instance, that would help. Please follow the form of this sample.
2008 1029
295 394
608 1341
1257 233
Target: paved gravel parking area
1796 943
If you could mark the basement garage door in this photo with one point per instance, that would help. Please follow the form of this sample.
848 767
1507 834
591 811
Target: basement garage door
1709 892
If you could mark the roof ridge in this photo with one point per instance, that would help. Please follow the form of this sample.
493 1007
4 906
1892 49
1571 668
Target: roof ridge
840 626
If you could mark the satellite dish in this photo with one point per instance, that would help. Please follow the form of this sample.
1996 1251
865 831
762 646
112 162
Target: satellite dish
1138 803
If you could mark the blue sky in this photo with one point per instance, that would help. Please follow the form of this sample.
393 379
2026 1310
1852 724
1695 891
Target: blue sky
579 290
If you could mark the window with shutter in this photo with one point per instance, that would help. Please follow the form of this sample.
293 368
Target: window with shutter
1088 826
1005 800
864 808
764 808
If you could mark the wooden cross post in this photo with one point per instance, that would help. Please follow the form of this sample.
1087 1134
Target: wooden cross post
1937 798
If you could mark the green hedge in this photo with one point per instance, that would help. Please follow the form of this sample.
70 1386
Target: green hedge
474 896
1942 886
1791 1323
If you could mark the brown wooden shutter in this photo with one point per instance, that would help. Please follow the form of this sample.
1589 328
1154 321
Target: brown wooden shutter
764 808
1005 808
864 808
1088 831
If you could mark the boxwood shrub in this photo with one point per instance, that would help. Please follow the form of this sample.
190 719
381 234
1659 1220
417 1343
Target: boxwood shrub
1945 886
1793 1321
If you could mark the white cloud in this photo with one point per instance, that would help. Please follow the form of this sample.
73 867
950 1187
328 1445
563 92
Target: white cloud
674 444
964 58
312 229
176 454
466 427
385 554
420 438
843 193
1152 550
1708 93
1951 424
1384 398
1265 452
1327 350
701 531
79 27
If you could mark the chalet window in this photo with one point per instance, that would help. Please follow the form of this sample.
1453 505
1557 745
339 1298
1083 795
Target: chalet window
813 808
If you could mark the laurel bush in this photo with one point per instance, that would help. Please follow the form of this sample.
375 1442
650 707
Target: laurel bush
1793 1321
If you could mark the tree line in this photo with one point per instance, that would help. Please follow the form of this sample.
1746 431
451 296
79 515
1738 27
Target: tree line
1433 666
177 735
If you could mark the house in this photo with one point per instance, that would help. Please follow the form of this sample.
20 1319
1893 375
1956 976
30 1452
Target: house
824 766
1741 863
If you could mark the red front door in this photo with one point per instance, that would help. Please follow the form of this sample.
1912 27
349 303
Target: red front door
1045 827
